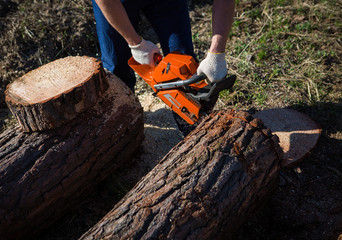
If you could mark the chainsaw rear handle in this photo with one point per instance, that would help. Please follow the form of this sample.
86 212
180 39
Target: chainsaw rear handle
181 83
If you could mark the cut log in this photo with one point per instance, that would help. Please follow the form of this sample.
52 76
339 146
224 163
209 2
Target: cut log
204 188
298 134
55 93
43 174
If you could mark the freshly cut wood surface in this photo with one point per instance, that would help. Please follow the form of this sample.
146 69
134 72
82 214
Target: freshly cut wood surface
44 174
51 80
204 188
298 134
55 93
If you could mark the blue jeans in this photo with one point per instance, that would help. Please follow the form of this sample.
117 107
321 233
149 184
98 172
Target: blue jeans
169 19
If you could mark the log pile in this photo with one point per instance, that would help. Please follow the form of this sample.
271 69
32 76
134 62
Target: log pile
206 187
44 173
70 137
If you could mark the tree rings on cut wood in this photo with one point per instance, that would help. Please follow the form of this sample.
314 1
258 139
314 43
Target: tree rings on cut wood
298 134
55 93
44 174
206 187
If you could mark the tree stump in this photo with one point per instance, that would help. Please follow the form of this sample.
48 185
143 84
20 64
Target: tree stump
204 188
55 93
44 174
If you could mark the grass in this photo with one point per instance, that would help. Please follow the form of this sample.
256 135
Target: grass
285 48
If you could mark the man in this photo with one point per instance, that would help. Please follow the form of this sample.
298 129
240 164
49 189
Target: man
117 21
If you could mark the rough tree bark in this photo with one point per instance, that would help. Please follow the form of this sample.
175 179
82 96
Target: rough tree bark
204 188
55 93
42 174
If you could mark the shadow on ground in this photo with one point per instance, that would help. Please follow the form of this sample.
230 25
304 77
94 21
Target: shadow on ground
307 203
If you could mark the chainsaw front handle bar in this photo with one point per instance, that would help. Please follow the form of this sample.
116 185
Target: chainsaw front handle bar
215 89
181 83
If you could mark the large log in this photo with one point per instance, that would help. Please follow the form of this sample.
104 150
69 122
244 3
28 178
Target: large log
55 93
204 188
43 174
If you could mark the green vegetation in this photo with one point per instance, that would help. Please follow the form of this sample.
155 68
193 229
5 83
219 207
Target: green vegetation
292 47
284 53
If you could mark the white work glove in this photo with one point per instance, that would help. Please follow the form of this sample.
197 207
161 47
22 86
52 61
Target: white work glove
144 52
214 66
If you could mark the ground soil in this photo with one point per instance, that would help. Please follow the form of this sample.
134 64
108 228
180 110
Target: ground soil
307 203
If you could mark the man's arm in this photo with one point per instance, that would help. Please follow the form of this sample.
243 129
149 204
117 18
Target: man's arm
116 15
214 66
222 19
142 51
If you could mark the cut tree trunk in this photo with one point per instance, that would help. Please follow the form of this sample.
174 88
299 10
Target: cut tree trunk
206 187
55 93
43 174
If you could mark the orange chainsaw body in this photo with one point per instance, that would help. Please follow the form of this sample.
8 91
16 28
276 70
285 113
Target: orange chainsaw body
173 67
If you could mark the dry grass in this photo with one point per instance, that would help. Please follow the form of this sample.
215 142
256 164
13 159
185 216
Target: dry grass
36 32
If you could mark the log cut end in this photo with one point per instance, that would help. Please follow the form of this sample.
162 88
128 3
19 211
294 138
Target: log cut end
55 93
298 134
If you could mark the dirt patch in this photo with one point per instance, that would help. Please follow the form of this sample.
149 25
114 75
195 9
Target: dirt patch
161 135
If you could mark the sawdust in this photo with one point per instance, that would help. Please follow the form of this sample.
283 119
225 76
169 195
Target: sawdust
161 133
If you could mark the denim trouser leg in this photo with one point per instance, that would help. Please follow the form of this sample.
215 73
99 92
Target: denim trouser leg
115 52
171 22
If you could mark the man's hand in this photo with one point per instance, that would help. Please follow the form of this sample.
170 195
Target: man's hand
144 52
214 66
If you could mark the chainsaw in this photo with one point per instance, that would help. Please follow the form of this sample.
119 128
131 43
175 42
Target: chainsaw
174 80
